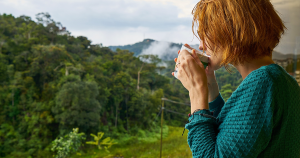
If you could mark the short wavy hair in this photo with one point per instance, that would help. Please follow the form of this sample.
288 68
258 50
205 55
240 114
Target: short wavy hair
242 29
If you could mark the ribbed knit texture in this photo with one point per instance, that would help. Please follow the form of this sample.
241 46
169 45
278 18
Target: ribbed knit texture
260 119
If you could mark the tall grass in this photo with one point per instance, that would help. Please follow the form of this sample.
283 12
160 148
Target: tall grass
147 145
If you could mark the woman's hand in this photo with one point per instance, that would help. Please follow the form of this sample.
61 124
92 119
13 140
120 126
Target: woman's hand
192 75
213 88
191 71
210 73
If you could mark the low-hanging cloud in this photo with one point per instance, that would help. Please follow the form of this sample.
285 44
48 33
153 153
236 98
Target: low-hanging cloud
164 50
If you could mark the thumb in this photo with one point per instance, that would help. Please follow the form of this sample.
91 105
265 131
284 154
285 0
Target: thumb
206 69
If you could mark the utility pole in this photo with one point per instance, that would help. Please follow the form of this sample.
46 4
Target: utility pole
162 117
161 128
139 72
295 54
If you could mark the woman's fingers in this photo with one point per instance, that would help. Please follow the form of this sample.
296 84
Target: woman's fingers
175 63
183 55
188 46
196 58
185 58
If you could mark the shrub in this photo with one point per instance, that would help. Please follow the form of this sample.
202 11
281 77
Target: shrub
70 143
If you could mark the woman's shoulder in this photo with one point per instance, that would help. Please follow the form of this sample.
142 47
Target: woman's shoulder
272 74
255 92
267 72
269 79
279 77
257 79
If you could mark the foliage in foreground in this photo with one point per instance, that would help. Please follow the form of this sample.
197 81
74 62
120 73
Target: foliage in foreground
105 143
67 145
102 144
147 145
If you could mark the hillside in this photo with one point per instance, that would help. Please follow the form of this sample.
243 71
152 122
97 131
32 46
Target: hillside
280 56
136 48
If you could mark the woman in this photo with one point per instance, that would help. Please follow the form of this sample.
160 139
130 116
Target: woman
262 116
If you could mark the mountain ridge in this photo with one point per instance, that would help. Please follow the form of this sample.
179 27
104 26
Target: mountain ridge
139 47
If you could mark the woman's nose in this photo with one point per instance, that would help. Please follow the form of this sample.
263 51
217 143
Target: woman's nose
201 45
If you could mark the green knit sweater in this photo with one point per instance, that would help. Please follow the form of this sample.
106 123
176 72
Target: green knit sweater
260 119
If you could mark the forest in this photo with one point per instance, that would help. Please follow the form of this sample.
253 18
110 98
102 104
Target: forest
52 83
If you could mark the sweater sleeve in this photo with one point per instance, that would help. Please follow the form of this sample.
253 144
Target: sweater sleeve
216 105
244 128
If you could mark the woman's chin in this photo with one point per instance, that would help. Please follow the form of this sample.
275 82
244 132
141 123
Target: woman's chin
214 67
218 67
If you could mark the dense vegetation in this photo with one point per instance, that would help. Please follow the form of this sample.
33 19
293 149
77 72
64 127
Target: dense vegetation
52 83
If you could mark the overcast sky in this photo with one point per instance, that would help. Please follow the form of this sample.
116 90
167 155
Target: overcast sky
121 22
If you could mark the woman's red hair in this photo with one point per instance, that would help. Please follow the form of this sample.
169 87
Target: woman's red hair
242 29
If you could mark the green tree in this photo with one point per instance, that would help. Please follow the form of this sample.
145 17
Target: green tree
76 104
226 91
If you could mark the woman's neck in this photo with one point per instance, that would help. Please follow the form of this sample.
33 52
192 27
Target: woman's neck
247 68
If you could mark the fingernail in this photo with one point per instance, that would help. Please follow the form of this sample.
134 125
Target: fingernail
178 51
173 73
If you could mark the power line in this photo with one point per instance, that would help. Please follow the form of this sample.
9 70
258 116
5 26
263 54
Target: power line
165 99
157 115
175 112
